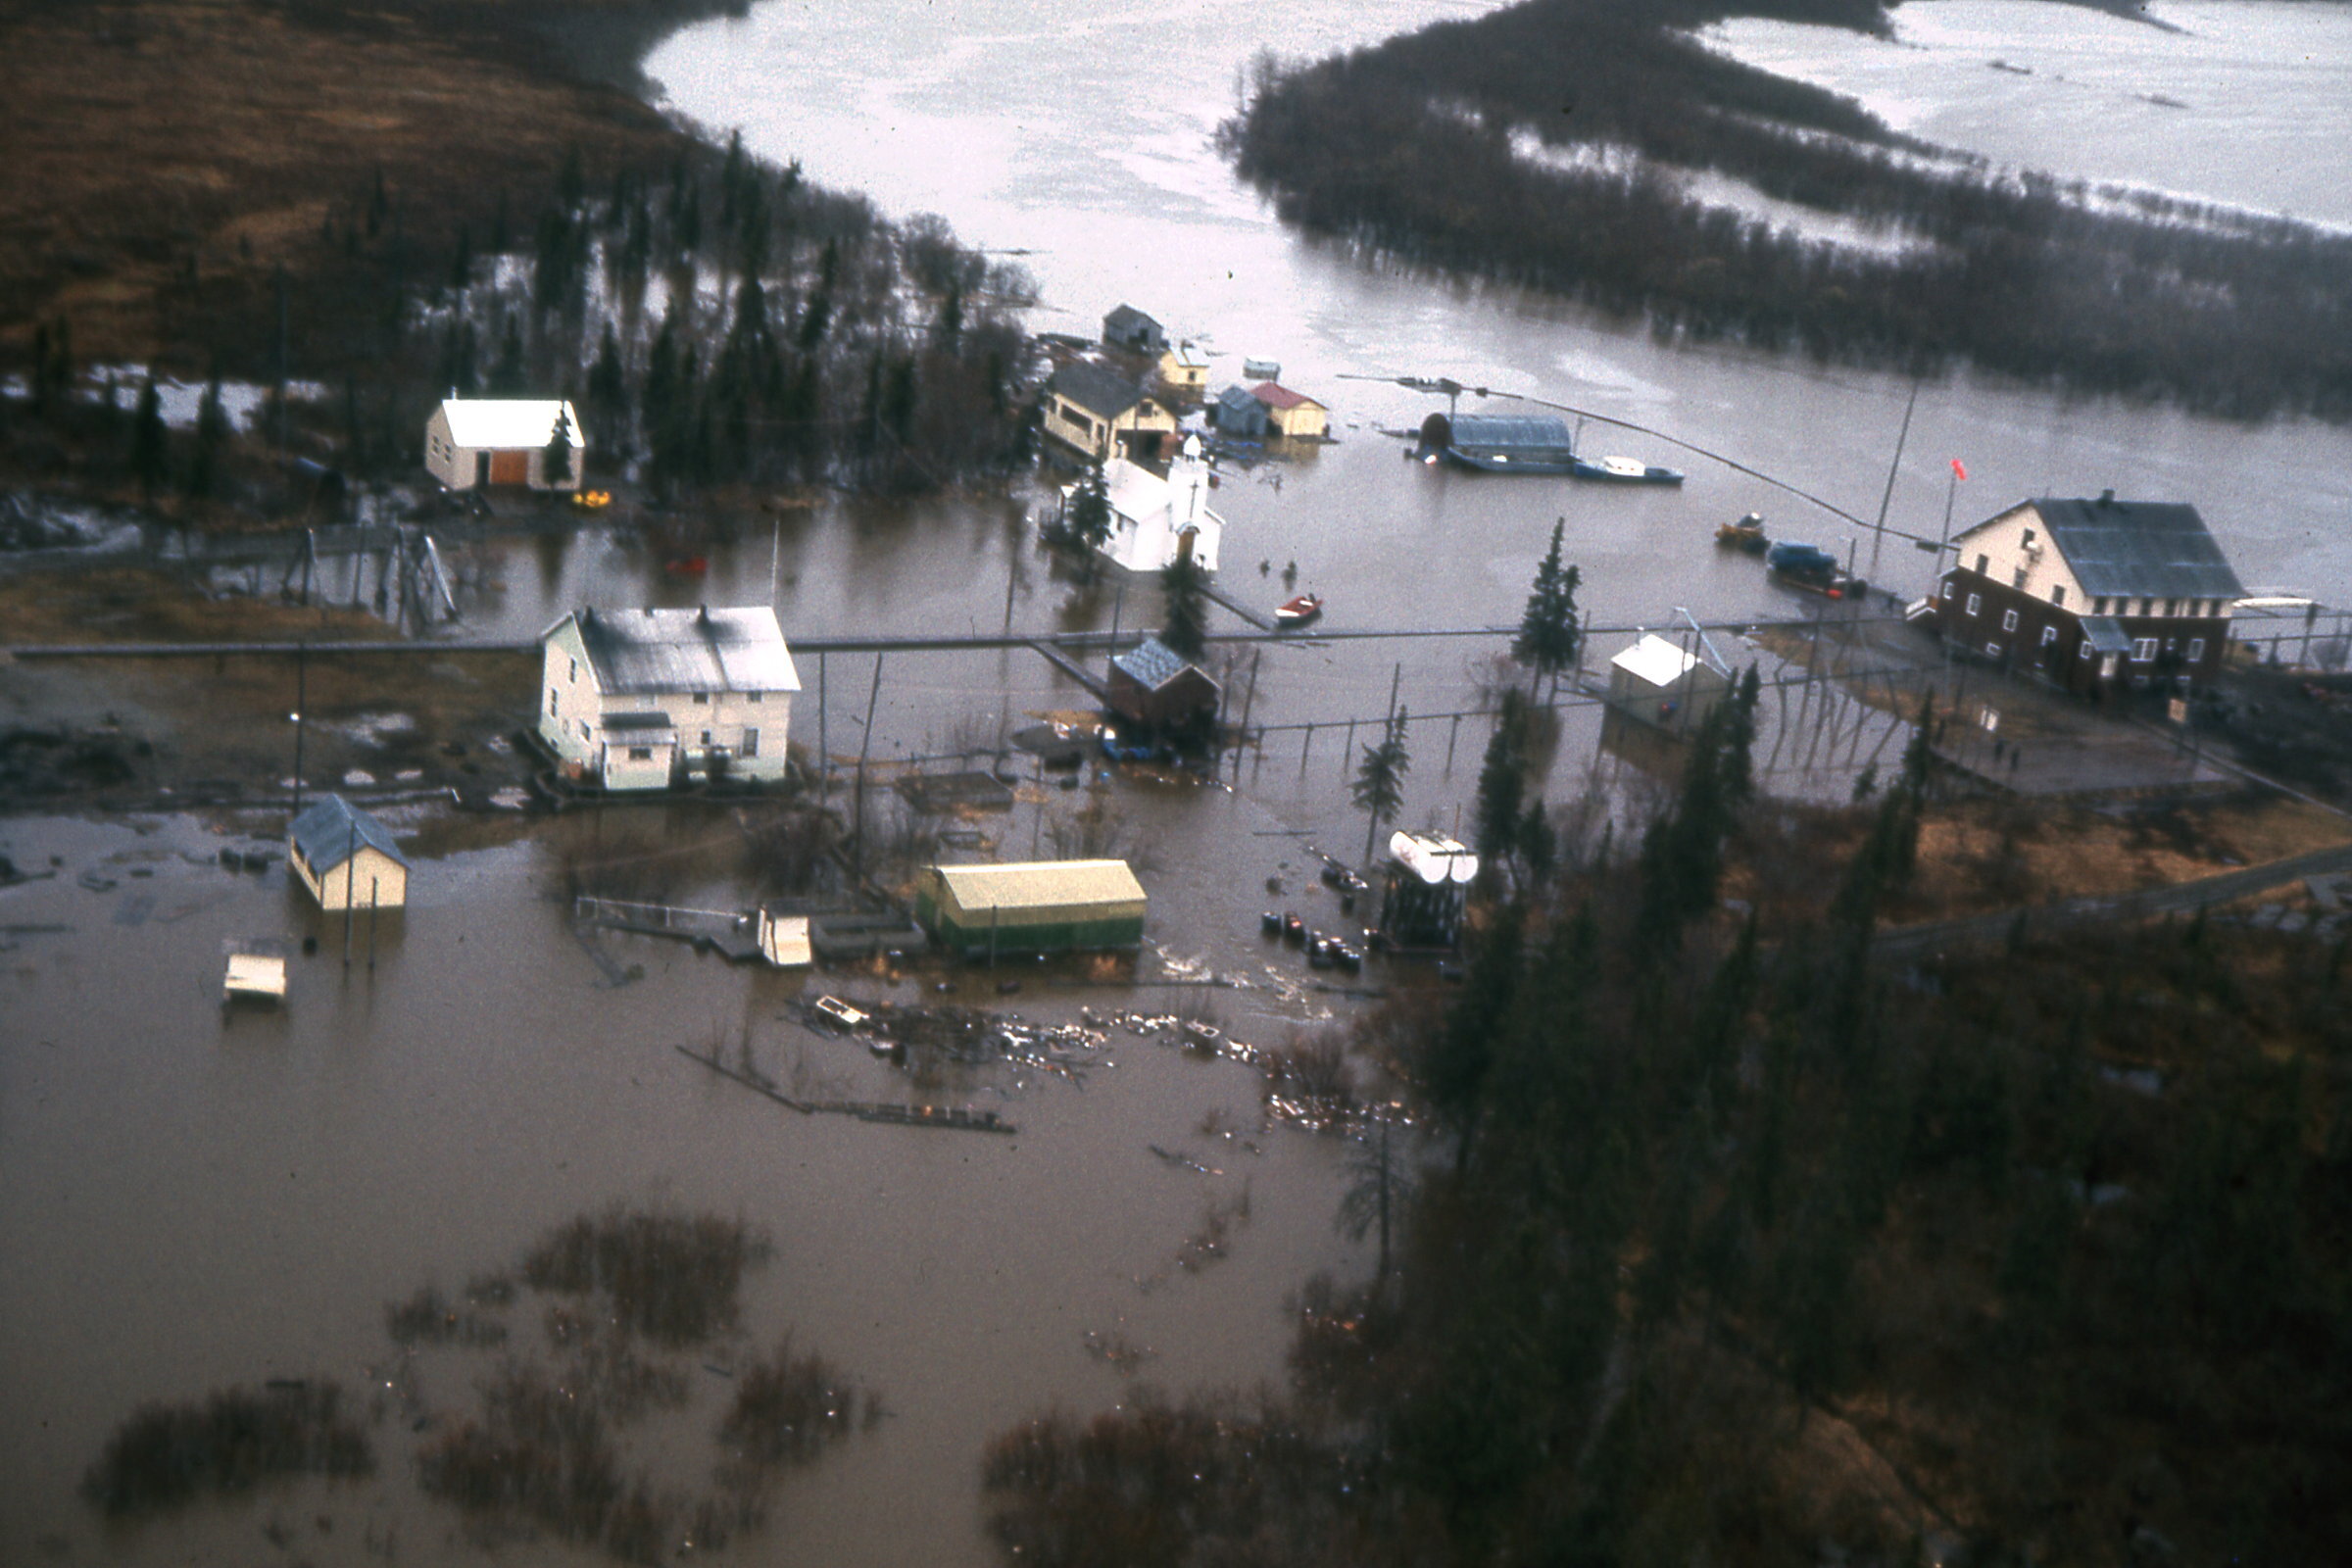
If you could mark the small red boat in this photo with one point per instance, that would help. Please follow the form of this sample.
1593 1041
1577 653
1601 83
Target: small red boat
686 565
1298 612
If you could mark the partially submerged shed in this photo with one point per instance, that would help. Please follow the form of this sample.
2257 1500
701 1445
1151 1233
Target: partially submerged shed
347 859
1031 906
1154 685
1662 683
1501 443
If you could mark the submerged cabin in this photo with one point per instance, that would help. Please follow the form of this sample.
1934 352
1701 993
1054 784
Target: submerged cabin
1153 685
1099 414
1501 443
1126 327
637 698
1184 371
1238 412
1661 683
1031 906
1425 889
1292 415
346 859
476 443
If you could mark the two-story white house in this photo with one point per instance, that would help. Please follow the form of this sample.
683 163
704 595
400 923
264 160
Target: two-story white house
641 698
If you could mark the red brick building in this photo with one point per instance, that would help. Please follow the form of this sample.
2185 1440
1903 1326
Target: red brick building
2091 594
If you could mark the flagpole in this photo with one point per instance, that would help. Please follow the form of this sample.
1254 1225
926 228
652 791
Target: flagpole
1944 543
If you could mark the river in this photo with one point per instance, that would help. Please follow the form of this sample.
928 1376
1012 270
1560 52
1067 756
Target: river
186 1203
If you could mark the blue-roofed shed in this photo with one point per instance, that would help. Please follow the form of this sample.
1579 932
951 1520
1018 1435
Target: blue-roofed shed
1238 412
1155 686
347 859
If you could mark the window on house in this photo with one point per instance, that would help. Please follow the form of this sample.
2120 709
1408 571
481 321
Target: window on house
1974 600
1949 588
2196 649
584 735
2098 606
2029 538
2008 620
2144 649
2147 607
2058 593
2086 649
1992 650
641 754
702 697
551 702
2017 578
705 740
2172 607
751 743
576 671
752 697
1984 564
2049 635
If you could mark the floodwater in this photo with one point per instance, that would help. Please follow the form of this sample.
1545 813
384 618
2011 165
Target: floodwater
187 1202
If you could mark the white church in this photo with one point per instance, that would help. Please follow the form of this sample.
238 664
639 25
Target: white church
1156 523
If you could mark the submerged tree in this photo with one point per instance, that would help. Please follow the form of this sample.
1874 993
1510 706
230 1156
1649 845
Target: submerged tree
1379 787
150 443
1549 635
1185 588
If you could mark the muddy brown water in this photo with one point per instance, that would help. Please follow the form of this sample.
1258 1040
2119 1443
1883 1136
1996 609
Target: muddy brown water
188 1200
187 1203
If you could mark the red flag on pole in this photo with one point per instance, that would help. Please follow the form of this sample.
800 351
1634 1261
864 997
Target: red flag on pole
1958 473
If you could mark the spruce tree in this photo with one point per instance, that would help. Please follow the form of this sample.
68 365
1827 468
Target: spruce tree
1379 787
1501 782
1090 510
1549 635
557 464
1184 587
212 435
150 442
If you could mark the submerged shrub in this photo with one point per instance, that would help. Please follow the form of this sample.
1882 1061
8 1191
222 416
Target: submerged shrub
165 1456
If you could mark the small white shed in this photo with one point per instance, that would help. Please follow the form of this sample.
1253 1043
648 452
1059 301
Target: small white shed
1662 683
475 443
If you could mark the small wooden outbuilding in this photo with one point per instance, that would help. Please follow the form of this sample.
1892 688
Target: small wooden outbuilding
1031 906
1153 685
1126 327
476 443
346 859
1662 683
1291 414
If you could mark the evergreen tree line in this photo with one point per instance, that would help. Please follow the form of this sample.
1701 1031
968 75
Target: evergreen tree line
735 324
1407 149
1708 1207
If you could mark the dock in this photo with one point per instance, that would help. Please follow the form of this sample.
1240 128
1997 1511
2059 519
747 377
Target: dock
1255 621
732 932
1097 686
958 1119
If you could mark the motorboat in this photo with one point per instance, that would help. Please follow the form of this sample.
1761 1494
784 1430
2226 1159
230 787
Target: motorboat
1747 534
1625 471
1298 612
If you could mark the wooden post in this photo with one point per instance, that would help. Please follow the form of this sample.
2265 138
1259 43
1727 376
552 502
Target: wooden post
1305 741
350 871
824 756
371 918
301 706
1248 700
1454 728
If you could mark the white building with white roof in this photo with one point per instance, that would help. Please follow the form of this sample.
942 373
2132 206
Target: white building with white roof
637 698
473 443
1156 523
1663 683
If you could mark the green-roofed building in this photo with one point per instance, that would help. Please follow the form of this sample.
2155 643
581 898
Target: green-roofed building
1031 906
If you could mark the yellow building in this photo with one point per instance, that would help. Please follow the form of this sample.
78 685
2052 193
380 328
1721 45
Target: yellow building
1184 372
1291 414
1102 414
347 859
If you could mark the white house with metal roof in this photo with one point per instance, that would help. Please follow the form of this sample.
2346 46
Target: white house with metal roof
1663 683
639 698
475 443
345 859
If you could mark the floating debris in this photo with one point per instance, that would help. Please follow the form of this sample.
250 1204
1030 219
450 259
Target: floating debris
1177 1157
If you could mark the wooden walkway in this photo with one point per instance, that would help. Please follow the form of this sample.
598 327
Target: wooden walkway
731 932
1097 686
1251 617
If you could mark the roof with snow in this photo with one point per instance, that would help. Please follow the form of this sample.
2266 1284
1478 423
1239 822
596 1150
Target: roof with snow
705 649
507 424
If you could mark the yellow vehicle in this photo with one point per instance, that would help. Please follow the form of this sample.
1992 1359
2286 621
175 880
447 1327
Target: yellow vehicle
592 499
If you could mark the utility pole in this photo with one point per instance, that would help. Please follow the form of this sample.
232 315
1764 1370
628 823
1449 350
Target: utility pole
301 702
864 746
1878 529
